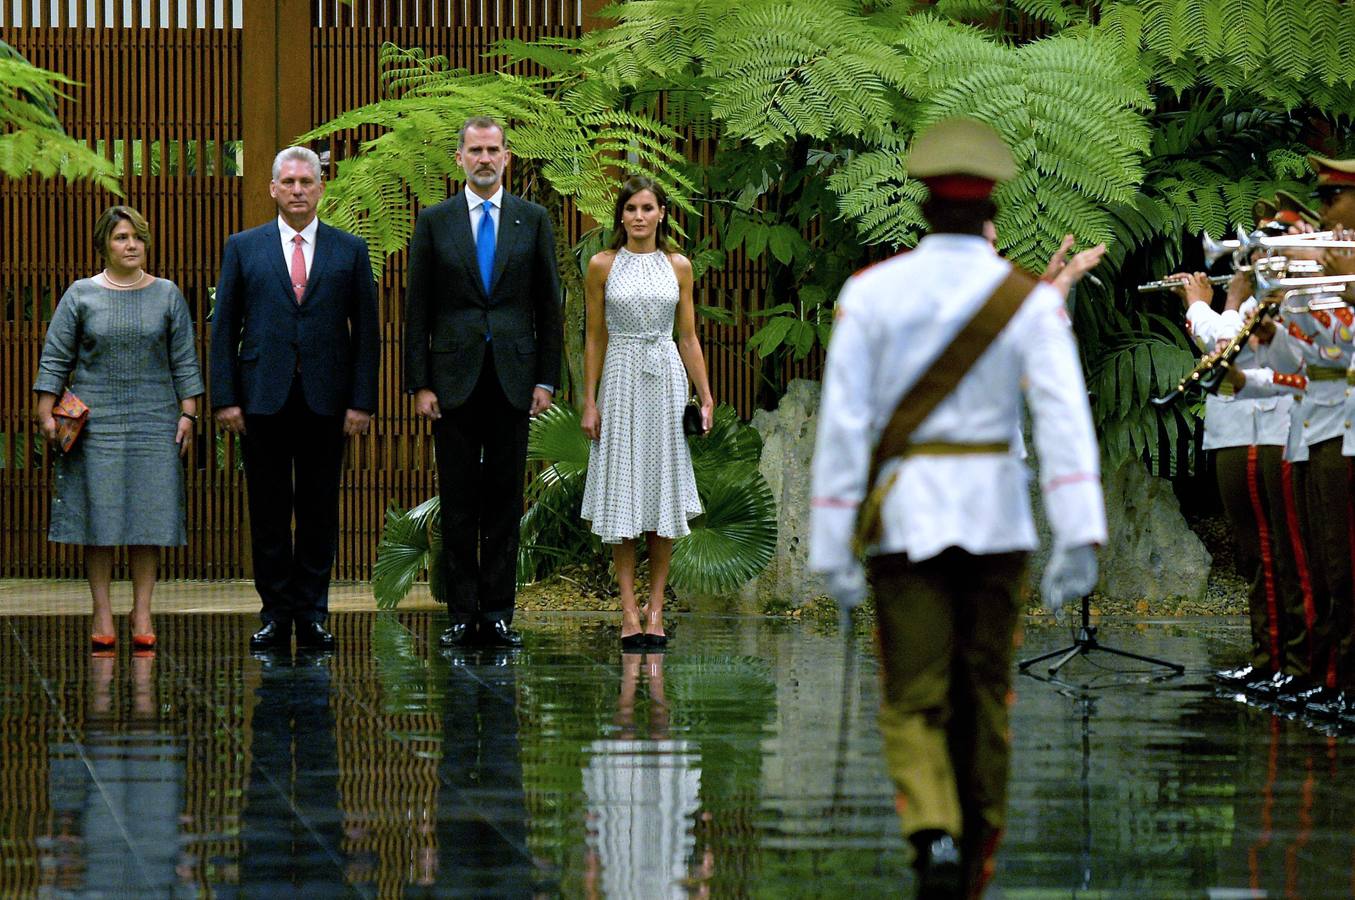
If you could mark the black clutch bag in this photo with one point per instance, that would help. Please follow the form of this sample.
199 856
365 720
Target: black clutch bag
691 420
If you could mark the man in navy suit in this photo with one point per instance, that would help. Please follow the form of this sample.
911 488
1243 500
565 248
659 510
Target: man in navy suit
482 354
294 356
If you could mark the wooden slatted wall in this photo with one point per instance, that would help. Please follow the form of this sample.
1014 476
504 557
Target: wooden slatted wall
162 94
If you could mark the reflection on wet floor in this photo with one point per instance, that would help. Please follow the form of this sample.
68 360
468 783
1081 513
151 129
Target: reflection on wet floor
567 769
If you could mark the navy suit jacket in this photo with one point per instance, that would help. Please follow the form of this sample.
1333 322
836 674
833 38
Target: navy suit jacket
261 335
448 313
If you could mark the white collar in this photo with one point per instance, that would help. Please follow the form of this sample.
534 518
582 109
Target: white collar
951 241
307 233
473 200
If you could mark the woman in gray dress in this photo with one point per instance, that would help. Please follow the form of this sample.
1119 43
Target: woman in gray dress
122 341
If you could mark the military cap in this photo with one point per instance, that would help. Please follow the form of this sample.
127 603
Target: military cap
960 159
1332 173
1284 208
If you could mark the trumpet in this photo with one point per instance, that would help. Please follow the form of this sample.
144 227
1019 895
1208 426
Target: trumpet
1325 300
1245 243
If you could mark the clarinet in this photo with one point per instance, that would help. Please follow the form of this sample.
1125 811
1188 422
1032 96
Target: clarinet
1209 372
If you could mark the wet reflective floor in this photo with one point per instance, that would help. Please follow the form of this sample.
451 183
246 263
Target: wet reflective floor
724 768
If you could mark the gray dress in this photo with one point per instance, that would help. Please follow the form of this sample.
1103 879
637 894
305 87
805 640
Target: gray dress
129 356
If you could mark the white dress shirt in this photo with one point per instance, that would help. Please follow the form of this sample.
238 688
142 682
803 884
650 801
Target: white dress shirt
474 201
307 248
893 319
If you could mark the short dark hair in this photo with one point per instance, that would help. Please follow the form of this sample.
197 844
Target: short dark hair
957 216
109 219
629 188
479 122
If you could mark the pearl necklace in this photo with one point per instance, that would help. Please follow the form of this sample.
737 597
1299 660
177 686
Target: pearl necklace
135 281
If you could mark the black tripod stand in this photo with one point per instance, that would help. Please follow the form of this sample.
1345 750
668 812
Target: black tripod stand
1086 642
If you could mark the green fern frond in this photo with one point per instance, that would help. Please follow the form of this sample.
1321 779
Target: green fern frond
32 139
413 159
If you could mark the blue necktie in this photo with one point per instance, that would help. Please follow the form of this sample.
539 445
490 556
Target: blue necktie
484 245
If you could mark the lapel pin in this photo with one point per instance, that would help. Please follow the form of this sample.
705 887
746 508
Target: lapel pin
517 221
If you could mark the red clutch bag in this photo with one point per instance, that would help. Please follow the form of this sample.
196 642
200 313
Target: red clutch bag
70 413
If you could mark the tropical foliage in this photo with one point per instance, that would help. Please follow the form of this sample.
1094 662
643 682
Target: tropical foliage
730 543
32 140
781 128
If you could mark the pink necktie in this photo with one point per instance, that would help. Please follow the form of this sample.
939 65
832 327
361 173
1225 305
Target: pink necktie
298 267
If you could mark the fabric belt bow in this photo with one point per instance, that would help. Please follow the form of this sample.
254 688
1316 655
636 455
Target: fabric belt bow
654 361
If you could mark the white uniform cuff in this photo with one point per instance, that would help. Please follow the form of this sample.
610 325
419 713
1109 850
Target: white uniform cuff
830 537
1076 510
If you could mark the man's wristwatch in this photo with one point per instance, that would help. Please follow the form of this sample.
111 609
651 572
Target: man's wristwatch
188 415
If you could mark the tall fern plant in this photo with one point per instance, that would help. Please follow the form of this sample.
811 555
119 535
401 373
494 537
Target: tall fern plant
730 543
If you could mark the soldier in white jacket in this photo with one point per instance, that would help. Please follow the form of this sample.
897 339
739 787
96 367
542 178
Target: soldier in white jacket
956 526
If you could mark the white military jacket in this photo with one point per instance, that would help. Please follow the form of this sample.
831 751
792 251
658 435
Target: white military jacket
1236 421
893 320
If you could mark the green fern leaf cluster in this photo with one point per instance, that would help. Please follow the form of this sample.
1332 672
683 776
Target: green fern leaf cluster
32 140
875 193
1286 52
1060 13
413 157
1070 107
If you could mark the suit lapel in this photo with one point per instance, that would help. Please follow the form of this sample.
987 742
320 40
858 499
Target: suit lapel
274 252
324 249
463 240
510 229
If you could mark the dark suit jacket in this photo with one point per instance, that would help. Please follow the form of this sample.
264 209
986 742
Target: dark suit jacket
447 312
260 332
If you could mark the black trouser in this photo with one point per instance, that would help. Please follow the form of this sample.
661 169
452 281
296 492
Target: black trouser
482 460
293 464
1328 539
482 807
292 839
1252 487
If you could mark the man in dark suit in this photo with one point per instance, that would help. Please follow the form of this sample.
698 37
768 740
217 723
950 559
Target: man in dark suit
294 356
482 353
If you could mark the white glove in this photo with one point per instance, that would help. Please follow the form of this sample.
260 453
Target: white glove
1070 574
847 586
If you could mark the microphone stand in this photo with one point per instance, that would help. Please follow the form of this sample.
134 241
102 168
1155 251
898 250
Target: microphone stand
1086 642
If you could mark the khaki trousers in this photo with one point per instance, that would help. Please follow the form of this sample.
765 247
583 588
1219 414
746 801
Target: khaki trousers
946 629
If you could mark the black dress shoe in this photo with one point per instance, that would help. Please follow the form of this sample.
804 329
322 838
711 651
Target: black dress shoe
1237 677
1269 687
312 636
272 636
940 875
498 634
461 634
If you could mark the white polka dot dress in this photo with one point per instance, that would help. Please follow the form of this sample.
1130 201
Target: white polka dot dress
639 472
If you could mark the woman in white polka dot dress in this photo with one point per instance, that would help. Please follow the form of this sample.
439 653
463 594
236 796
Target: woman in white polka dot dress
640 478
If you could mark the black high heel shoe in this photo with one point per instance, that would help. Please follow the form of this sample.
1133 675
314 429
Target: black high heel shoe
654 641
635 643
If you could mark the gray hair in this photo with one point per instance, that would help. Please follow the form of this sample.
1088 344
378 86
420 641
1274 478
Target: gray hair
305 154
479 122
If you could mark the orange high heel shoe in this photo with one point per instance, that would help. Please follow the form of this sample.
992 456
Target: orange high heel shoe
102 643
143 641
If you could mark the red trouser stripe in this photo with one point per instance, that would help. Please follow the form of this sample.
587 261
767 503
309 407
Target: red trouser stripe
1291 514
1338 640
1267 557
